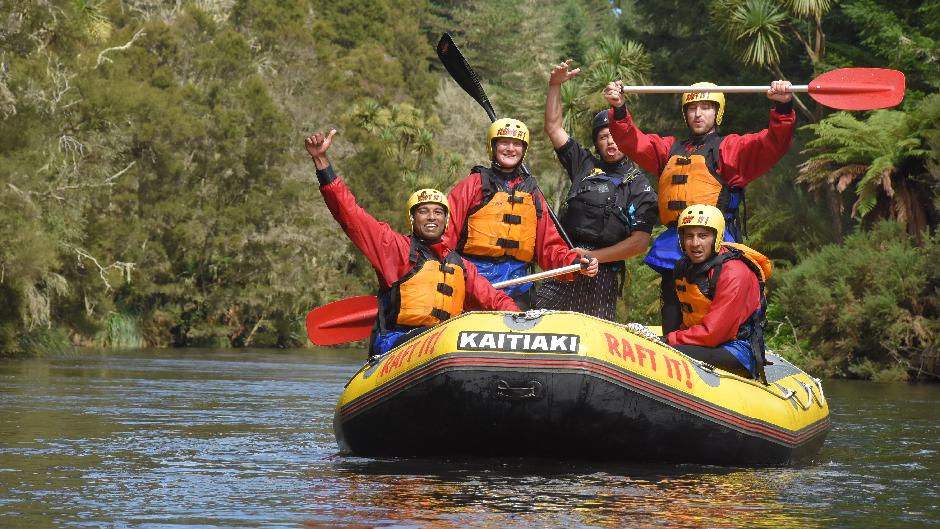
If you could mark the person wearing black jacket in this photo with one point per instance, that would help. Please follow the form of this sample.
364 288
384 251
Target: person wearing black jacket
609 214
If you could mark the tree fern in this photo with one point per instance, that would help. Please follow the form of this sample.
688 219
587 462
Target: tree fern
881 144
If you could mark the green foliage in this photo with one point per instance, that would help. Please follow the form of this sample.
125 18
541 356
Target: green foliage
640 300
870 302
900 35
154 191
120 332
885 155
754 29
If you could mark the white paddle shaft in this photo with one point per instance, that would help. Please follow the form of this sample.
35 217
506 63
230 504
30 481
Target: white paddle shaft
723 89
540 275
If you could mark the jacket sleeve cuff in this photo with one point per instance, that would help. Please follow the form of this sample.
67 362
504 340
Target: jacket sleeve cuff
784 108
326 176
620 112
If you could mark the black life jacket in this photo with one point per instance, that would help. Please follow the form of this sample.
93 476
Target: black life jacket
596 214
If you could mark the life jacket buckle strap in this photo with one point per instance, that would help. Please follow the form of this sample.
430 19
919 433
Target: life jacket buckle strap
447 269
507 243
683 161
440 314
447 290
677 205
680 179
513 199
512 219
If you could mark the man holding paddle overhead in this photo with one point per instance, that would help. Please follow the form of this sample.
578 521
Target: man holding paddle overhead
610 210
705 168
421 280
499 218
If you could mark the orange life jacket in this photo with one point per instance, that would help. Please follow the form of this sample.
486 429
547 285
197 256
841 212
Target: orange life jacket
692 178
505 223
696 290
431 292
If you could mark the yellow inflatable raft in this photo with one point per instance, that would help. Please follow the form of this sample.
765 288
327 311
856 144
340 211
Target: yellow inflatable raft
563 384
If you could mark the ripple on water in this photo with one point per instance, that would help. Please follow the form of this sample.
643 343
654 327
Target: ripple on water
229 440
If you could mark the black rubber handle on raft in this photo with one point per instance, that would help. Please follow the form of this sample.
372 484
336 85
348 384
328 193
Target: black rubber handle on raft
532 391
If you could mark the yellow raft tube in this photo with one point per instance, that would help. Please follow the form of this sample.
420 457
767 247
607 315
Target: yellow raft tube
563 384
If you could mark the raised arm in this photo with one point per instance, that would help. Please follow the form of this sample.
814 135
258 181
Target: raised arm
554 122
649 151
386 250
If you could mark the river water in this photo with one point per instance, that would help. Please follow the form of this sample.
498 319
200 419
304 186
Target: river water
161 439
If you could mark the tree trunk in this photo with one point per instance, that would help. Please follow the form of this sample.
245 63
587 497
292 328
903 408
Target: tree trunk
834 201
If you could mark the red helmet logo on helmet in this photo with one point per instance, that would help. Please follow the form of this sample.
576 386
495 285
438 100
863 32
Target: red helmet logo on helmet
510 132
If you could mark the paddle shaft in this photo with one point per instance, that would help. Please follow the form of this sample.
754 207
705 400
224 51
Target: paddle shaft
755 89
674 89
538 276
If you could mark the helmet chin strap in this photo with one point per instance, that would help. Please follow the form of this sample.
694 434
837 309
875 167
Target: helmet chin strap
515 171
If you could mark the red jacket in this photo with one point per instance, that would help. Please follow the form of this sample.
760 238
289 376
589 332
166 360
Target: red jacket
742 158
389 251
737 296
550 249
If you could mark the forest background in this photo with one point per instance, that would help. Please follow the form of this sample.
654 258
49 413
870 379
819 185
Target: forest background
154 190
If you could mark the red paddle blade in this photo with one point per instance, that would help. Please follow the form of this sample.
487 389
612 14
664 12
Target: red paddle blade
858 88
346 320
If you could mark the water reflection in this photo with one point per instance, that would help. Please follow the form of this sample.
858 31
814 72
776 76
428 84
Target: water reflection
538 493
208 439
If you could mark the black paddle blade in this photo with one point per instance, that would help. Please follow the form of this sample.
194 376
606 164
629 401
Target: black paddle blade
460 70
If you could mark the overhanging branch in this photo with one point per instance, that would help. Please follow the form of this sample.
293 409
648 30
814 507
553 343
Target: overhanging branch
101 56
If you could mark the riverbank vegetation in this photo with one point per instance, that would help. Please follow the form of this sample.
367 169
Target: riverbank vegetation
154 190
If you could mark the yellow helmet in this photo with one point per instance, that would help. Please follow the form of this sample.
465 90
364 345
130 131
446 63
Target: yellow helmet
706 216
716 97
426 196
507 128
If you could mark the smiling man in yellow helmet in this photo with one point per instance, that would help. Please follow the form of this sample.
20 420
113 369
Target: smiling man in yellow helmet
705 168
421 280
499 219
720 287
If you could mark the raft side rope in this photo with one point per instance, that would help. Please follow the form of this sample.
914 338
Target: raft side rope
822 397
810 396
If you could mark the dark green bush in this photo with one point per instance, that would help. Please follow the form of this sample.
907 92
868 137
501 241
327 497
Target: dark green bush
868 308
